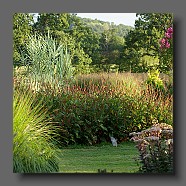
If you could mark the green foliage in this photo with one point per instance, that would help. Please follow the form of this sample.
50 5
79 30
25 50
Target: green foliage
144 41
86 44
52 22
94 107
149 62
154 80
22 29
100 26
94 42
33 151
111 47
85 39
46 60
67 29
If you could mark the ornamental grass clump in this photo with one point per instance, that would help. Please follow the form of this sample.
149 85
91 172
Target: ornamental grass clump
33 146
155 146
48 64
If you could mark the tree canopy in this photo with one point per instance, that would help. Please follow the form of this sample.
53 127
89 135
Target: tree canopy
142 47
22 28
97 43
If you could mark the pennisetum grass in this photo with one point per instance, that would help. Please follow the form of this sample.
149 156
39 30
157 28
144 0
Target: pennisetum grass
33 149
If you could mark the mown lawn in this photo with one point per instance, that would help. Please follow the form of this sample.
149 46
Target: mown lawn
83 159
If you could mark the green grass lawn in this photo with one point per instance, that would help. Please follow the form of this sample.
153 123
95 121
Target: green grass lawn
83 159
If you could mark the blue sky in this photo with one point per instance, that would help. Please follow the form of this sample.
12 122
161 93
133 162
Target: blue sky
117 18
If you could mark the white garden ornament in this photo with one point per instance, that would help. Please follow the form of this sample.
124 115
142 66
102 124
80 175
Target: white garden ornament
114 141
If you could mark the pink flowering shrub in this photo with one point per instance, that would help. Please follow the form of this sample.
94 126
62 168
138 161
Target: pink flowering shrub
166 50
165 42
155 146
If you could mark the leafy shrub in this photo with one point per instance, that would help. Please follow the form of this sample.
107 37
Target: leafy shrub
155 146
33 150
154 80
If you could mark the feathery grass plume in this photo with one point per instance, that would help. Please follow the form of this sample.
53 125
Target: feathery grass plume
33 150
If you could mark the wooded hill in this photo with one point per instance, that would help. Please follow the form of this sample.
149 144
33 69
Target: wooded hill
100 26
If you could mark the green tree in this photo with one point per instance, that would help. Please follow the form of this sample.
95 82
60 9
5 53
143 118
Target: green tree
52 22
22 29
85 38
67 29
111 47
144 41
100 26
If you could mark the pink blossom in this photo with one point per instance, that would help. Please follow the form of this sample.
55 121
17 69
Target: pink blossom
170 30
168 35
163 41
167 45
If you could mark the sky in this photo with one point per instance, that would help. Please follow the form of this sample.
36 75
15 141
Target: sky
117 18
